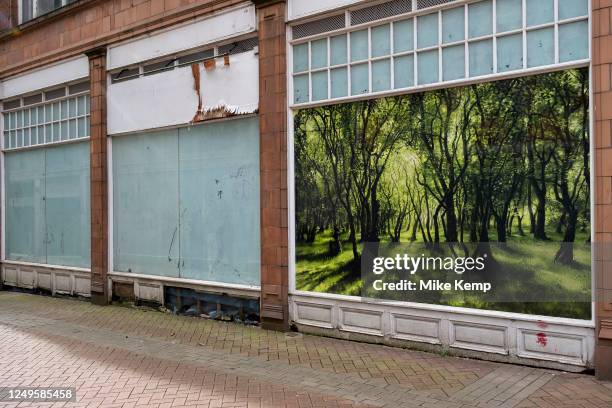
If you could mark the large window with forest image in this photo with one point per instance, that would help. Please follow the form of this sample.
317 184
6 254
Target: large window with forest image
497 169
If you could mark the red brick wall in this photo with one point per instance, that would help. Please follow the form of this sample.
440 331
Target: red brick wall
98 177
273 163
88 24
602 70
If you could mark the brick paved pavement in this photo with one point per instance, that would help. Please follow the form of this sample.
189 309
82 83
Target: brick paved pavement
124 357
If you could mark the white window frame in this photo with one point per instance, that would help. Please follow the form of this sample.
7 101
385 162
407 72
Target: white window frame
292 107
35 13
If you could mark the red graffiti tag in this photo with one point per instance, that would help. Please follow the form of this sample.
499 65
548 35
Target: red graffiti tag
542 325
542 340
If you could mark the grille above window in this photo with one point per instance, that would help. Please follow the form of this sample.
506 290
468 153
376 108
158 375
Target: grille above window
238 47
379 11
421 4
320 26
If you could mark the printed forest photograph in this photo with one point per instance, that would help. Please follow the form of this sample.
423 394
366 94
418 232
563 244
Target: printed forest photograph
500 169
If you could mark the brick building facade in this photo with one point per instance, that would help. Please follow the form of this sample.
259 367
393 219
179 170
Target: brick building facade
202 46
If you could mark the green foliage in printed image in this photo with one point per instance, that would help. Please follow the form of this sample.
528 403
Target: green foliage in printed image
497 162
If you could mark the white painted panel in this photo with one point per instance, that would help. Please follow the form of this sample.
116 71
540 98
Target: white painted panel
82 285
551 346
9 275
492 339
209 30
63 283
320 315
44 280
300 8
361 320
169 98
26 278
149 292
416 328
48 76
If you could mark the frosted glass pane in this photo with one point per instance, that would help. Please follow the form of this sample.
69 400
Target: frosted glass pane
56 111
453 62
82 105
26 117
72 129
72 108
145 203
540 47
300 57
403 36
480 17
509 15
381 42
338 50
573 8
540 12
319 85
359 79
403 71
6 140
427 67
219 196
41 134
67 205
453 25
339 82
381 75
318 56
64 130
359 45
427 30
25 206
64 110
82 127
509 52
300 88
573 41
481 58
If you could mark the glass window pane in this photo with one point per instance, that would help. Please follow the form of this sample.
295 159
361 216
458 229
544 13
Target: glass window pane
318 56
540 12
427 30
145 203
41 114
300 88
359 45
403 36
453 62
82 127
48 134
510 52
338 49
13 137
56 111
25 205
81 107
319 85
359 79
481 58
480 18
573 8
72 129
34 136
48 115
403 71
64 130
19 116
540 47
300 57
40 135
339 82
33 116
72 108
381 75
26 117
509 15
64 110
26 137
219 196
381 42
67 205
56 132
574 41
6 121
453 25
427 67
6 144
19 138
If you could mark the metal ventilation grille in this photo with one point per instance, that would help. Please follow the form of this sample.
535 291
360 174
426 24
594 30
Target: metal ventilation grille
421 4
320 26
239 46
379 11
